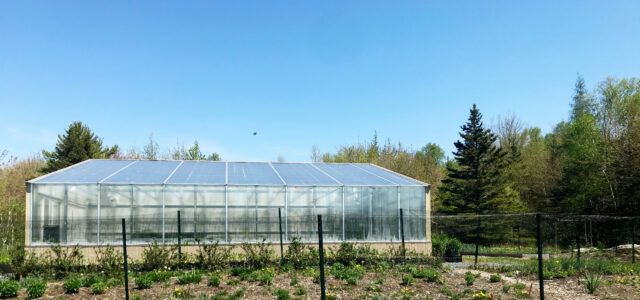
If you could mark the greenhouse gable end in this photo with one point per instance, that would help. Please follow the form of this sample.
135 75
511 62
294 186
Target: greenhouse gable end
230 202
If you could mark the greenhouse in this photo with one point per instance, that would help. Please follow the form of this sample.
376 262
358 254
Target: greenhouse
230 202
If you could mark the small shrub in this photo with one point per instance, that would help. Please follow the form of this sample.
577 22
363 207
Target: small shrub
213 256
72 285
214 280
91 278
98 288
265 276
109 259
190 277
144 281
9 289
35 287
495 278
469 278
258 255
349 274
156 257
429 274
407 280
233 282
281 294
294 280
160 276
63 260
300 291
299 255
592 282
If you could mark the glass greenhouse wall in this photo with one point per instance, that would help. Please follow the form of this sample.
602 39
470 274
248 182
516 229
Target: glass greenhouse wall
226 201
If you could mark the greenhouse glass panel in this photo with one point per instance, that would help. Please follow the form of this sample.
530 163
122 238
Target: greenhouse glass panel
47 213
301 217
251 173
183 199
413 203
351 174
211 213
144 172
303 174
199 172
82 214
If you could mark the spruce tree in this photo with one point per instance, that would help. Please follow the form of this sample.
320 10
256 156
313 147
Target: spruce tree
476 183
77 144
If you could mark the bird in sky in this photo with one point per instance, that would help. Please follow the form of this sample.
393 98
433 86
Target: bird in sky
255 133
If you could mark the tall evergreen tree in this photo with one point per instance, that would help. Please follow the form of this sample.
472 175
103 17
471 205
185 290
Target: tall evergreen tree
476 184
583 103
77 144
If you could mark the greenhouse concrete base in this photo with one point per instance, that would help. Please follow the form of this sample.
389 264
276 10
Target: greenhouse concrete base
134 252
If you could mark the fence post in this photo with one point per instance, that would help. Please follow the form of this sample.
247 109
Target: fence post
402 235
578 243
633 242
179 242
323 295
540 269
475 264
124 252
281 247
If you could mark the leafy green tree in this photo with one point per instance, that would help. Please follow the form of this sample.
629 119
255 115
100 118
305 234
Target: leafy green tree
477 183
77 144
194 153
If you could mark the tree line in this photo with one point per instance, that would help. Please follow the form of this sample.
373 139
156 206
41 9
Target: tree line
588 164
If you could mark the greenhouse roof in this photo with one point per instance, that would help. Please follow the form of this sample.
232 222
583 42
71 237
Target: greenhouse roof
176 172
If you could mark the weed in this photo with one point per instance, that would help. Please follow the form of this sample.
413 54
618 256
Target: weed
495 278
592 282
349 274
281 294
407 280
189 277
469 278
144 281
300 291
214 280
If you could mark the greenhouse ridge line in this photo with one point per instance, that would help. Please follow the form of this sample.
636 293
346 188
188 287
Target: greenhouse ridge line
185 172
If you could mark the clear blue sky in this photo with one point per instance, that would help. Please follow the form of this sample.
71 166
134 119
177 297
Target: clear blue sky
298 72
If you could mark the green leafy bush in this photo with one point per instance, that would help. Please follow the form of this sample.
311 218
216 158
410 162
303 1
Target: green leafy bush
157 257
160 276
35 287
407 280
144 281
300 291
349 253
469 278
72 284
190 277
213 256
445 246
109 260
351 274
98 288
281 294
299 255
214 280
64 260
495 278
258 255
429 274
265 276
91 278
9 289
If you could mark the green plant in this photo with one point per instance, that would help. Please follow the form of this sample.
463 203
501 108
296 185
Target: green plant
299 255
233 282
72 284
181 293
506 288
495 278
481 295
469 278
239 293
108 259
91 278
159 276
407 280
294 280
214 280
9 288
213 256
35 287
265 276
156 257
258 255
445 246
281 294
592 282
189 277
300 291
144 281
98 288
429 274
350 274
63 260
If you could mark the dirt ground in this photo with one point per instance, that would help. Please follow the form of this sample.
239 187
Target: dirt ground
374 285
